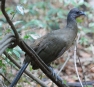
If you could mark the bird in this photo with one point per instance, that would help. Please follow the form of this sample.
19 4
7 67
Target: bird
52 45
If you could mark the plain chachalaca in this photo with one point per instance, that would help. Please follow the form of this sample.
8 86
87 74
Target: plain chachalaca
54 44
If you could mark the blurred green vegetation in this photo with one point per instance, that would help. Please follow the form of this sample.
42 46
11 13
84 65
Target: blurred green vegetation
29 17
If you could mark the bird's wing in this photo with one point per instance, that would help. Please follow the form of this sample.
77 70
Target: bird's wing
50 48
62 51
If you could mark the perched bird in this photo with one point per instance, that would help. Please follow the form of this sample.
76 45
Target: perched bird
55 43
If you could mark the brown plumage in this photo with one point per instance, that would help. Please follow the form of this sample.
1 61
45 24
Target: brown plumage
54 44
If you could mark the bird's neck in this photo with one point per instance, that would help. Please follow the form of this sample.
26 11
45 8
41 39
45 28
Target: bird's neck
71 22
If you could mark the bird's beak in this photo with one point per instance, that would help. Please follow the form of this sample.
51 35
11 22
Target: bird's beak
82 13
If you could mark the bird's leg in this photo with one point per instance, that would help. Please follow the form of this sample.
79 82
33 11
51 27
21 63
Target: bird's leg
24 66
55 75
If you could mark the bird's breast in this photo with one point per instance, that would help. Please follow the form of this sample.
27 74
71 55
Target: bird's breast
68 37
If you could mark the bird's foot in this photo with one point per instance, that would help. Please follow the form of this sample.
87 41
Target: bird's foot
55 75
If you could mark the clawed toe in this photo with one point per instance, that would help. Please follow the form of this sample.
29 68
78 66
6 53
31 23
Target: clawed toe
54 74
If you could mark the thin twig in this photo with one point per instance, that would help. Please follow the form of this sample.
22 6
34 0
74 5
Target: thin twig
75 49
77 84
82 71
92 48
5 78
64 64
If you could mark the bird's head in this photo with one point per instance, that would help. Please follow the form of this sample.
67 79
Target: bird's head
75 12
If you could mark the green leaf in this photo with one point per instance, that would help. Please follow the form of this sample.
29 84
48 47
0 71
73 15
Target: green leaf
18 22
52 12
0 12
18 49
65 82
30 68
53 25
24 1
35 36
16 53
91 24
60 14
10 10
83 41
34 12
1 63
42 4
37 23
20 9
26 36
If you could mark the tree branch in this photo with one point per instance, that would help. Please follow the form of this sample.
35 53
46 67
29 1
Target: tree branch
9 21
26 72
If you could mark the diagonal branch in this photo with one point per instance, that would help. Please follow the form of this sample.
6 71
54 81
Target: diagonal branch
26 72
